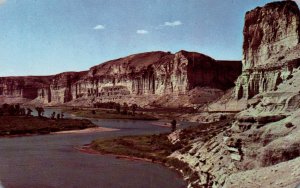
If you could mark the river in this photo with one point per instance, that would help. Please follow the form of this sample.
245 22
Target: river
51 161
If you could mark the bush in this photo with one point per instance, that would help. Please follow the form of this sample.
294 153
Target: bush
289 77
289 125
223 117
280 58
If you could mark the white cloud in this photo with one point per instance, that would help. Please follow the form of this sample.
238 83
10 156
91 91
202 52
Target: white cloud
97 27
173 24
2 2
142 31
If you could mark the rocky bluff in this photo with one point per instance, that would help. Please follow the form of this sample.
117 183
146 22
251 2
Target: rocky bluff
271 33
136 77
261 146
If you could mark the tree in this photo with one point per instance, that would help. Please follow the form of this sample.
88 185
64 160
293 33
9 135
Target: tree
125 108
29 112
173 125
5 106
40 111
53 115
118 107
11 110
133 108
17 109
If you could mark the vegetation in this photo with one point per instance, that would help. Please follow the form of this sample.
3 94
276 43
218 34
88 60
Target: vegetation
18 125
13 110
108 114
289 125
153 147
15 121
113 105
158 148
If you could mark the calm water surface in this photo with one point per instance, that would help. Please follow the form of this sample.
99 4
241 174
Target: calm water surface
52 161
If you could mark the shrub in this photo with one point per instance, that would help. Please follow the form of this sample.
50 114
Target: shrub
280 58
289 125
289 77
223 117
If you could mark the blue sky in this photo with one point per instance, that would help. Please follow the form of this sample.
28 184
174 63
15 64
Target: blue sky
42 37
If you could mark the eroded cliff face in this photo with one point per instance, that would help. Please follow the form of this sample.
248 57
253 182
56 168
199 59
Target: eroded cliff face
136 78
59 89
261 146
155 74
270 32
24 87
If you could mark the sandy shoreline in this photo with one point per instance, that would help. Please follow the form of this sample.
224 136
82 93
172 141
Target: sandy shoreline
88 130
82 131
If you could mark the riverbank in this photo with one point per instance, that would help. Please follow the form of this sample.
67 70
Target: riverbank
158 148
87 130
21 125
147 148
107 114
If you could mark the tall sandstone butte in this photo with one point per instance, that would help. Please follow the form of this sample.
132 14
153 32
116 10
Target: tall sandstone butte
270 32
137 76
261 147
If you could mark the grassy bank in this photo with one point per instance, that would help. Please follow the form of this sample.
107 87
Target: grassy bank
153 147
158 148
19 125
107 114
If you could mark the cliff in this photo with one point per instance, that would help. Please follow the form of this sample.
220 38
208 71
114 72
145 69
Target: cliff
136 78
270 32
260 146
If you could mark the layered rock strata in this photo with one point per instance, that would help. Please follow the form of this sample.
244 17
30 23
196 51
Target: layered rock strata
260 148
269 33
151 75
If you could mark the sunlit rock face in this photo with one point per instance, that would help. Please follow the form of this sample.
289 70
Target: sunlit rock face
59 89
269 33
145 76
156 73
260 147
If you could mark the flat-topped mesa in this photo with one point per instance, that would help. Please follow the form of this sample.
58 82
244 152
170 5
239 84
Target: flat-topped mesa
157 73
139 76
270 34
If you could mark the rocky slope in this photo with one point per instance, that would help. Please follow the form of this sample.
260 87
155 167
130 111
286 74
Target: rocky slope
140 78
261 147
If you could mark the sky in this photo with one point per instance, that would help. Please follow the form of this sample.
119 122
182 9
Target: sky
45 37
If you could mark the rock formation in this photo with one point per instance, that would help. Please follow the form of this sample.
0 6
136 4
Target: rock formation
261 147
22 86
269 33
139 77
